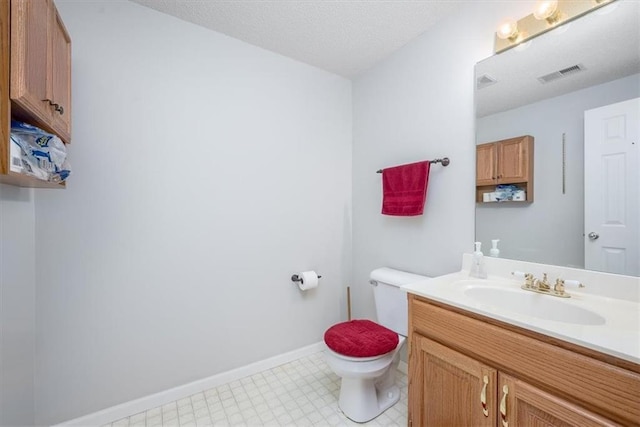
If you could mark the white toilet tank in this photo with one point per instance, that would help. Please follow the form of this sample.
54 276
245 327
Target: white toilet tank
391 301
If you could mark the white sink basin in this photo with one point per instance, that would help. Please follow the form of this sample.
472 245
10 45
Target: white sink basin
589 319
531 304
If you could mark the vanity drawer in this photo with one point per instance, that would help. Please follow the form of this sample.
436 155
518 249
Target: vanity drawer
610 390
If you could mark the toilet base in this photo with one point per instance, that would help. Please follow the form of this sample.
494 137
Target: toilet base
362 400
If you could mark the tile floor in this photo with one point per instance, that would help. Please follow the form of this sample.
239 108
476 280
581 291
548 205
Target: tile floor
300 393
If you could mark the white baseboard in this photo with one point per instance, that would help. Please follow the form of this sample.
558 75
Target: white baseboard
403 367
158 399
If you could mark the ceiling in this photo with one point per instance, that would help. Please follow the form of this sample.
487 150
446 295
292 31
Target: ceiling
606 43
345 37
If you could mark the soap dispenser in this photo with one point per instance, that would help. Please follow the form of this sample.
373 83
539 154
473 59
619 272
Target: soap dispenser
477 265
494 251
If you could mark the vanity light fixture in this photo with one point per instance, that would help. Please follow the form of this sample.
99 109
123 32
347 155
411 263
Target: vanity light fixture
547 15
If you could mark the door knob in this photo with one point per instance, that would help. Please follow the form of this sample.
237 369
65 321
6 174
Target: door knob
593 236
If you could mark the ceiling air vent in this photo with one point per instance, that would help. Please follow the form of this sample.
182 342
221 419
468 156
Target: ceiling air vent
561 73
484 81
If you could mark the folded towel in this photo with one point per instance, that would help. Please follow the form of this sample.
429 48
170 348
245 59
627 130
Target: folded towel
404 189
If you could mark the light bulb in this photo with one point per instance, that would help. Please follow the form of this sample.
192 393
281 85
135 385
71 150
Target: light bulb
545 9
508 29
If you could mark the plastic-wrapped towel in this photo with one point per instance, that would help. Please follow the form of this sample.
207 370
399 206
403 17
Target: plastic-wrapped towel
43 155
506 192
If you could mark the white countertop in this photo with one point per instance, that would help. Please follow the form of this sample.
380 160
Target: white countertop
618 335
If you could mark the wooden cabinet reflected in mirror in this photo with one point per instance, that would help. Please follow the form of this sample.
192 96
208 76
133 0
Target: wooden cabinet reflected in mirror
509 161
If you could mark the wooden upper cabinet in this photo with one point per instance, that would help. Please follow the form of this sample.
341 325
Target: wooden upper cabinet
486 157
513 160
30 22
35 78
40 67
60 81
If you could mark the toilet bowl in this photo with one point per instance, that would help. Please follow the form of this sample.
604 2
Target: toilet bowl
366 354
368 383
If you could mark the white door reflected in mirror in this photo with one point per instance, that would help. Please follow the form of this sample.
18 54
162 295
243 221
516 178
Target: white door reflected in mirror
612 190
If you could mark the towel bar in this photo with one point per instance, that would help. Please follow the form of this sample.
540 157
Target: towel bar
445 162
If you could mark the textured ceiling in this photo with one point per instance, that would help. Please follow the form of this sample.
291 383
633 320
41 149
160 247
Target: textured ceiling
345 37
606 42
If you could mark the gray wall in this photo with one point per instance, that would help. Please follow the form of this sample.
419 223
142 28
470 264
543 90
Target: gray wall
419 104
17 305
206 172
549 230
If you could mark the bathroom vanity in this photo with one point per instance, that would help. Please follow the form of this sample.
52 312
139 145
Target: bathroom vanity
569 362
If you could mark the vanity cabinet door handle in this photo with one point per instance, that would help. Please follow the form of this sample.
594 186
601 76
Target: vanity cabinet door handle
503 406
483 396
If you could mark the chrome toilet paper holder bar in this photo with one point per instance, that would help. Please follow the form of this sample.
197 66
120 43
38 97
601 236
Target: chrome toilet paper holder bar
296 278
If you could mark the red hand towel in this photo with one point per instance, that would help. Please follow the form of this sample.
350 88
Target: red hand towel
404 189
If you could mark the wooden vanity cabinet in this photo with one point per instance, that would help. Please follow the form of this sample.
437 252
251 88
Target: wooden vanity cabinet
469 370
450 380
525 405
35 74
509 161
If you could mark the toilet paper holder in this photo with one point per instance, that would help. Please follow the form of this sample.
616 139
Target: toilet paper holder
296 278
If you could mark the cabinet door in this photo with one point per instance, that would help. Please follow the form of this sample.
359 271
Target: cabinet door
513 161
59 83
522 405
486 164
30 22
447 388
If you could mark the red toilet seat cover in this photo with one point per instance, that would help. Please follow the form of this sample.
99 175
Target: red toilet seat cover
360 338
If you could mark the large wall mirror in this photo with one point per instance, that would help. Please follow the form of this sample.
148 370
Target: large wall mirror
576 91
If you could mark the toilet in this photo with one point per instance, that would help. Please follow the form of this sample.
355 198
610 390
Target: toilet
366 354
